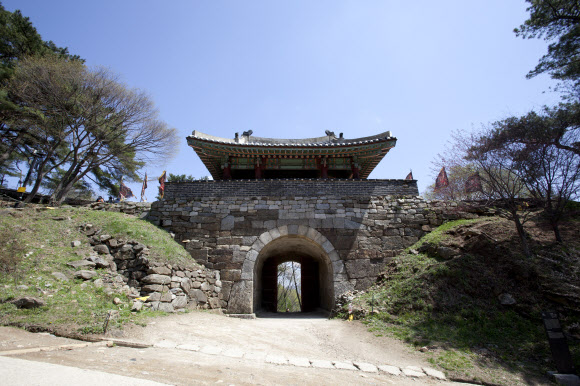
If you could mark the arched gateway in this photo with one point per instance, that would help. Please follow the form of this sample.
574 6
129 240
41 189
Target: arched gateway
277 200
320 266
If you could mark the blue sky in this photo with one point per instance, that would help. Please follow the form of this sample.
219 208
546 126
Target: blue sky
293 69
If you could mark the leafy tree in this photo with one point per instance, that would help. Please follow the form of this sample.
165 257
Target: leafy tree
86 120
18 39
180 178
557 21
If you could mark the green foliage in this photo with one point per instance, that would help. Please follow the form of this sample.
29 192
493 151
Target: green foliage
559 22
185 178
180 178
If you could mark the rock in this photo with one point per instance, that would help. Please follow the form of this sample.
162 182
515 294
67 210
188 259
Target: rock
205 286
22 287
75 243
85 274
434 373
214 303
117 301
81 264
104 238
166 297
98 283
506 299
28 302
447 253
137 305
200 296
156 279
101 263
154 297
60 276
101 249
153 288
227 223
159 270
179 302
113 243
139 247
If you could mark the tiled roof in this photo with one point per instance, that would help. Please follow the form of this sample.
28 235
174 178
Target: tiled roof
326 141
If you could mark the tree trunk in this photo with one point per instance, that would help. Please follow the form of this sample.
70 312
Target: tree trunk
556 230
522 234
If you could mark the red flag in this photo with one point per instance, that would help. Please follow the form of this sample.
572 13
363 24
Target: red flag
144 187
442 181
409 176
473 184
162 184
124 191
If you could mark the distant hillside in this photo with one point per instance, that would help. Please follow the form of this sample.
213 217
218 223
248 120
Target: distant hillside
467 297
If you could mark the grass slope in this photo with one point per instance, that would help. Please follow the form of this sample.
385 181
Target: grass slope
36 241
450 308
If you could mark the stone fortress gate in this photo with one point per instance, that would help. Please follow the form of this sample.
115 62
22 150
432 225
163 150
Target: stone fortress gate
303 200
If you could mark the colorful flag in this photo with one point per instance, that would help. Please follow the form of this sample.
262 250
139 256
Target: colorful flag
125 192
473 184
143 198
162 184
409 176
442 181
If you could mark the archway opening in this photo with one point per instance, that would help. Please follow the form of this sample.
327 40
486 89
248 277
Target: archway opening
289 287
276 286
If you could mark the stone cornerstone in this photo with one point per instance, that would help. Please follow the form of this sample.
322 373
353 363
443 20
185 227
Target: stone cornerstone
351 237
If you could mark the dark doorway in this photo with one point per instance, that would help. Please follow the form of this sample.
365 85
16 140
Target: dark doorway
307 285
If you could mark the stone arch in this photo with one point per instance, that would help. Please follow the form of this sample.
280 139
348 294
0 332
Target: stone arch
296 238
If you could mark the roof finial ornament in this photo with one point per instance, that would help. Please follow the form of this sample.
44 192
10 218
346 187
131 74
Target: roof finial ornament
247 133
330 133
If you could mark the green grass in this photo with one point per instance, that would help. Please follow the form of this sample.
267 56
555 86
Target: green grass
44 238
426 301
438 235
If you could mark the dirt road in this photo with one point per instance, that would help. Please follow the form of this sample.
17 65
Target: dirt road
206 348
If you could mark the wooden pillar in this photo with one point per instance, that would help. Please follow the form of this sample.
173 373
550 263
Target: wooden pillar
355 170
227 172
258 168
323 166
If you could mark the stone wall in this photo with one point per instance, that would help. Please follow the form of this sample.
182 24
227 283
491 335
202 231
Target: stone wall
138 209
352 238
291 187
168 287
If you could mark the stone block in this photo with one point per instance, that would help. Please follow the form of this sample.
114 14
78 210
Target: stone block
156 279
231 274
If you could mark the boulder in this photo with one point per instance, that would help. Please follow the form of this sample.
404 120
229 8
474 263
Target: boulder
153 288
179 302
101 249
60 276
506 299
447 253
156 279
85 274
163 270
154 297
28 302
199 296
214 303
137 305
81 264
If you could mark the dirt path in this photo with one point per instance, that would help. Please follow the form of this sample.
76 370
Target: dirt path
203 348
303 335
